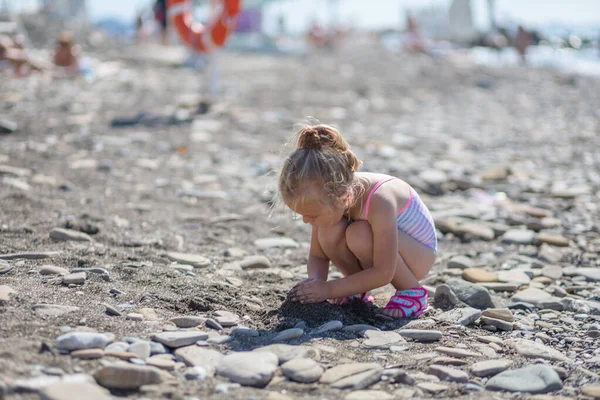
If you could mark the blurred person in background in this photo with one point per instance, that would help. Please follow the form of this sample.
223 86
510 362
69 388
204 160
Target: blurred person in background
13 54
414 40
66 54
160 14
522 42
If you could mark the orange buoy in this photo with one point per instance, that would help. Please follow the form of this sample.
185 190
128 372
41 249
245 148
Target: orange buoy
197 36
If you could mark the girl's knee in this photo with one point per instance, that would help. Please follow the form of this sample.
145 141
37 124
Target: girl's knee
359 238
332 237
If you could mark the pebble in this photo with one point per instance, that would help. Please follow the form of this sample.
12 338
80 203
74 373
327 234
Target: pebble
448 361
551 239
255 262
591 274
62 234
226 318
135 317
33 255
127 376
498 323
531 349
490 367
53 270
211 323
5 293
77 278
432 387
288 334
179 339
330 326
195 373
195 260
189 321
110 310
343 371
381 339
461 262
499 313
287 352
477 275
221 339
359 328
280 242
514 276
449 373
303 370
591 390
519 236
445 298
141 349
161 363
532 296
53 310
81 340
88 354
194 356
421 335
533 379
463 316
455 352
249 368
72 391
473 295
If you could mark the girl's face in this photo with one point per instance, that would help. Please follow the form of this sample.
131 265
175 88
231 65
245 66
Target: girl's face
318 214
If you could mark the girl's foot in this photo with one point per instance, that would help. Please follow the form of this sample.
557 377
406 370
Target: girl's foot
366 297
408 303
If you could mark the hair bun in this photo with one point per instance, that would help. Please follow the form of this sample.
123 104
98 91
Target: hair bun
310 139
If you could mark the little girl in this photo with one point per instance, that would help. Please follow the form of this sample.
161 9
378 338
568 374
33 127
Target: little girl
373 227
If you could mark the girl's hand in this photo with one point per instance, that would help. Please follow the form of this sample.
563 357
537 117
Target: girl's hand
309 291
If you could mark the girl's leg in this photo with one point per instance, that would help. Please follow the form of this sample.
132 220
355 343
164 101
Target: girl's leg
413 264
333 243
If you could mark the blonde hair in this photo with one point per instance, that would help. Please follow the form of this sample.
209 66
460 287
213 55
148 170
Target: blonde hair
322 159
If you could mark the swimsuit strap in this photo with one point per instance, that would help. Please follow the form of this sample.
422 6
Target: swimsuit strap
371 194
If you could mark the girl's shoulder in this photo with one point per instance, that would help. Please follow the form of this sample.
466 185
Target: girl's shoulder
382 189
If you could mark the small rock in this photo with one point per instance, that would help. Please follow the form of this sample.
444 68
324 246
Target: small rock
69 235
110 310
5 293
75 279
127 376
421 335
532 296
287 352
477 275
463 316
191 259
518 236
381 340
474 295
432 387
135 317
70 391
330 326
445 298
499 313
249 368
255 262
211 323
591 390
533 379
288 334
461 262
187 321
531 349
449 373
281 242
226 318
141 349
88 354
551 239
498 323
179 339
81 340
454 352
53 270
490 367
302 370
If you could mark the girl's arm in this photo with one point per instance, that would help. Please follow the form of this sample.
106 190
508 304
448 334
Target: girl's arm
382 219
318 263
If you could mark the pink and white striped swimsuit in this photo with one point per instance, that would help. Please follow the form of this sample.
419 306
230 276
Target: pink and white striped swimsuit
413 219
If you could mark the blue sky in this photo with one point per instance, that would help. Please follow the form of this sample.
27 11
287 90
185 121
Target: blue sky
386 13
